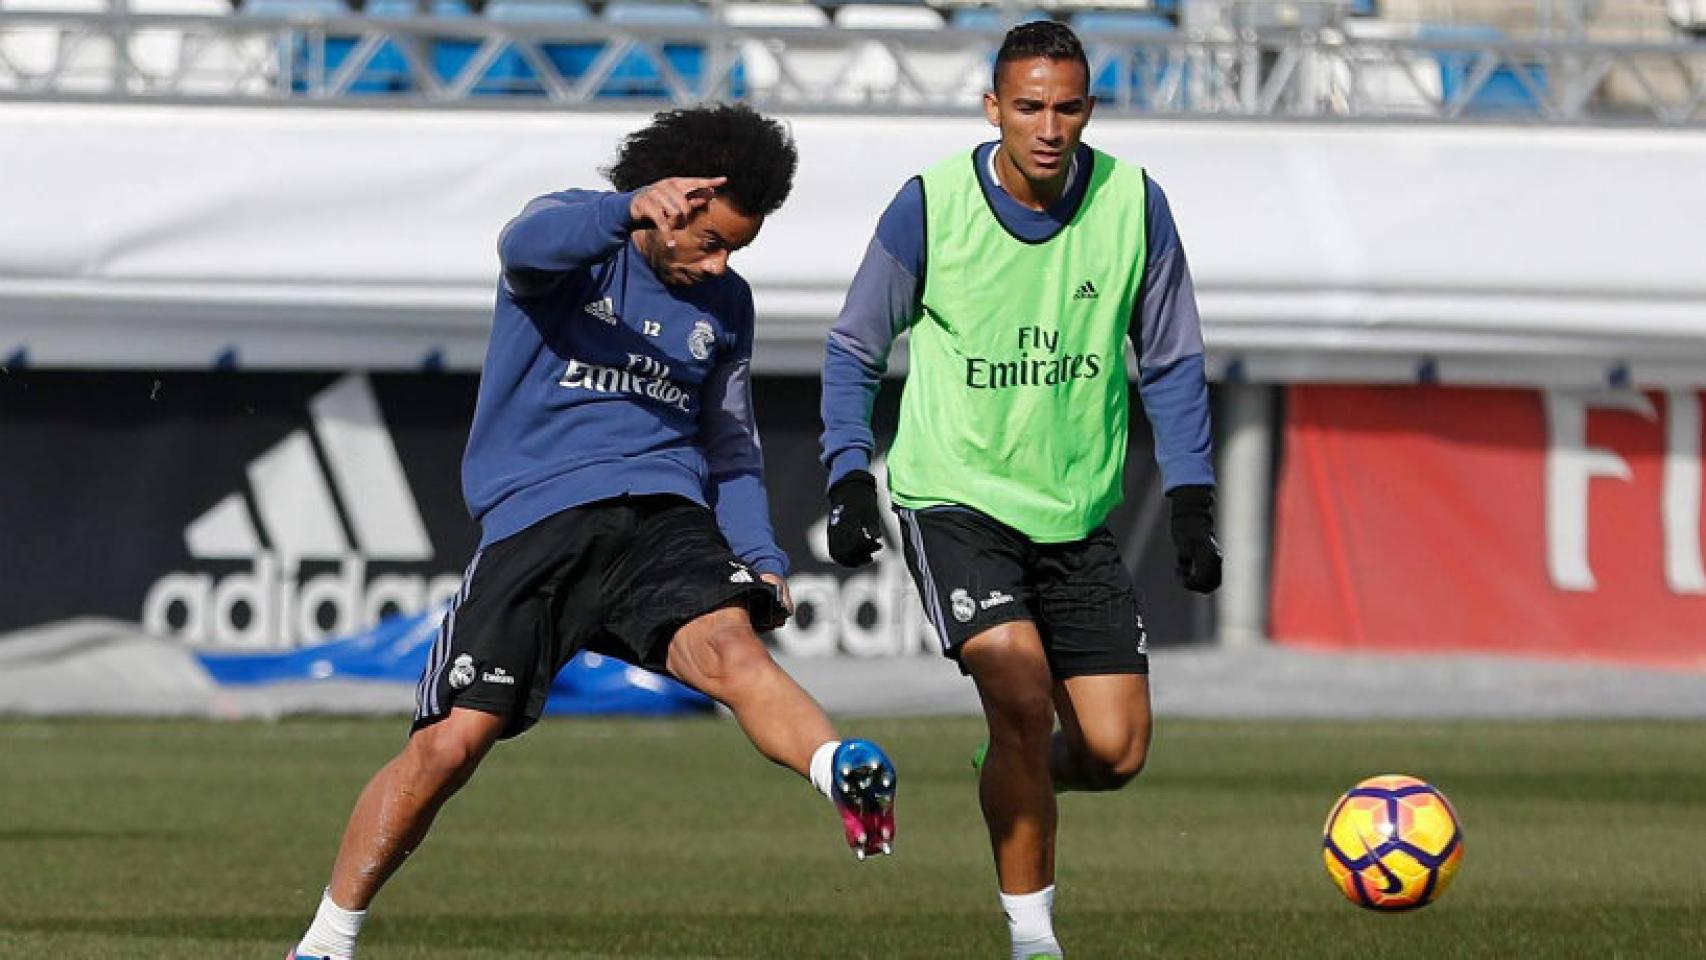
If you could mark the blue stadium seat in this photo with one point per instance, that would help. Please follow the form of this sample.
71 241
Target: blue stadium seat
1134 70
451 54
300 55
1504 92
990 18
511 74
638 74
387 71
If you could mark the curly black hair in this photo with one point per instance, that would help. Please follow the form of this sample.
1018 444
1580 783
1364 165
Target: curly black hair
1044 38
756 153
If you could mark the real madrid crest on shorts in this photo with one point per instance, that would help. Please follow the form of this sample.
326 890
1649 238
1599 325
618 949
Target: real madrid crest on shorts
964 606
700 340
462 672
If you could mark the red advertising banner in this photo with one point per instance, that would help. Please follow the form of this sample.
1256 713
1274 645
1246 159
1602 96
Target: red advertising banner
1552 523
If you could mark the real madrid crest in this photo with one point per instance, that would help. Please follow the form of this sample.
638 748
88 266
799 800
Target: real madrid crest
700 341
462 672
963 605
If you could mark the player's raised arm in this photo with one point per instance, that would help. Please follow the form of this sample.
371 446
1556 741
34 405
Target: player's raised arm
1166 331
560 232
881 303
574 229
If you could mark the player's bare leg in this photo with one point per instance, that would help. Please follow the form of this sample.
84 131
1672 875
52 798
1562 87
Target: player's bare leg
720 655
1015 788
1012 676
1104 731
398 805
391 818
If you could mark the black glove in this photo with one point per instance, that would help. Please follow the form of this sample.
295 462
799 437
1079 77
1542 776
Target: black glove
855 520
1193 537
768 613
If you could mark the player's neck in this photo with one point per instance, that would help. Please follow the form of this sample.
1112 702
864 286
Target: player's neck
1034 194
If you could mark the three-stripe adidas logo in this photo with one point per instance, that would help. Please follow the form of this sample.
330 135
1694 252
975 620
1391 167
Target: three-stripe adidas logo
604 310
372 515
1086 291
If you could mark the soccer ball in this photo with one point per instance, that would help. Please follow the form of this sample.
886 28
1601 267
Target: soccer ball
1392 842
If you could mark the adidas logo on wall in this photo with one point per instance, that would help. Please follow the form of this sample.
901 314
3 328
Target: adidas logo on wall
333 496
1086 291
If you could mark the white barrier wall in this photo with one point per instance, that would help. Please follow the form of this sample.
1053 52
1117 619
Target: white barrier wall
142 235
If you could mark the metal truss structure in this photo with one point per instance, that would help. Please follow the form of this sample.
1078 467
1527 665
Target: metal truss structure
1318 74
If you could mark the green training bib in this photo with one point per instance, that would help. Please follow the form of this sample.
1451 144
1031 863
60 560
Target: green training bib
1016 400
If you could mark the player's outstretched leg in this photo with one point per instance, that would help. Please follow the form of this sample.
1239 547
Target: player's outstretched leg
390 820
720 655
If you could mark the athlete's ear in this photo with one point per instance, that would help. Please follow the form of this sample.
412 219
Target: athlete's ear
1089 107
992 108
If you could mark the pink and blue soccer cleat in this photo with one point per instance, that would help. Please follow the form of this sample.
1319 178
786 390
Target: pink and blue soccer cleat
864 793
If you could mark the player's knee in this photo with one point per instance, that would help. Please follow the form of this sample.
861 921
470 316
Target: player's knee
442 755
1023 719
724 656
1113 769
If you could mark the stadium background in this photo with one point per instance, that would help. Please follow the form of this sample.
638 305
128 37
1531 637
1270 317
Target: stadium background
1449 265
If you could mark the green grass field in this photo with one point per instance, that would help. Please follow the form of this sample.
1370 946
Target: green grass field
672 839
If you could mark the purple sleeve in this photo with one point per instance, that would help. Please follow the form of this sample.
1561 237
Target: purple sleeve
560 232
729 434
881 303
1167 334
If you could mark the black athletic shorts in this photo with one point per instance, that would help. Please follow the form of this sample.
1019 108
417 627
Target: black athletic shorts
616 577
974 572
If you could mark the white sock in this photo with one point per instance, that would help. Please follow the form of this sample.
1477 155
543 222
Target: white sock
822 771
1030 923
333 932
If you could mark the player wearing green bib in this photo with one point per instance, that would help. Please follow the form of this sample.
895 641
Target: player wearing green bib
1022 268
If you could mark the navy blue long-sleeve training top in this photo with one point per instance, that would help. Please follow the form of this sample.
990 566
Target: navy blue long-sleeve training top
600 381
884 301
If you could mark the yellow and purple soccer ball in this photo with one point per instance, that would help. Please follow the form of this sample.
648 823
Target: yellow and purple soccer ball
1392 842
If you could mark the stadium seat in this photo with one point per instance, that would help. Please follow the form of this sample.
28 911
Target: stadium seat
1375 83
755 14
990 18
510 73
1118 72
190 61
761 62
884 16
639 73
387 71
308 58
1689 15
80 64
874 76
1511 89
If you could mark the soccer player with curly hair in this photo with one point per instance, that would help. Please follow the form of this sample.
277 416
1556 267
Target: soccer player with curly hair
1022 267
614 468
